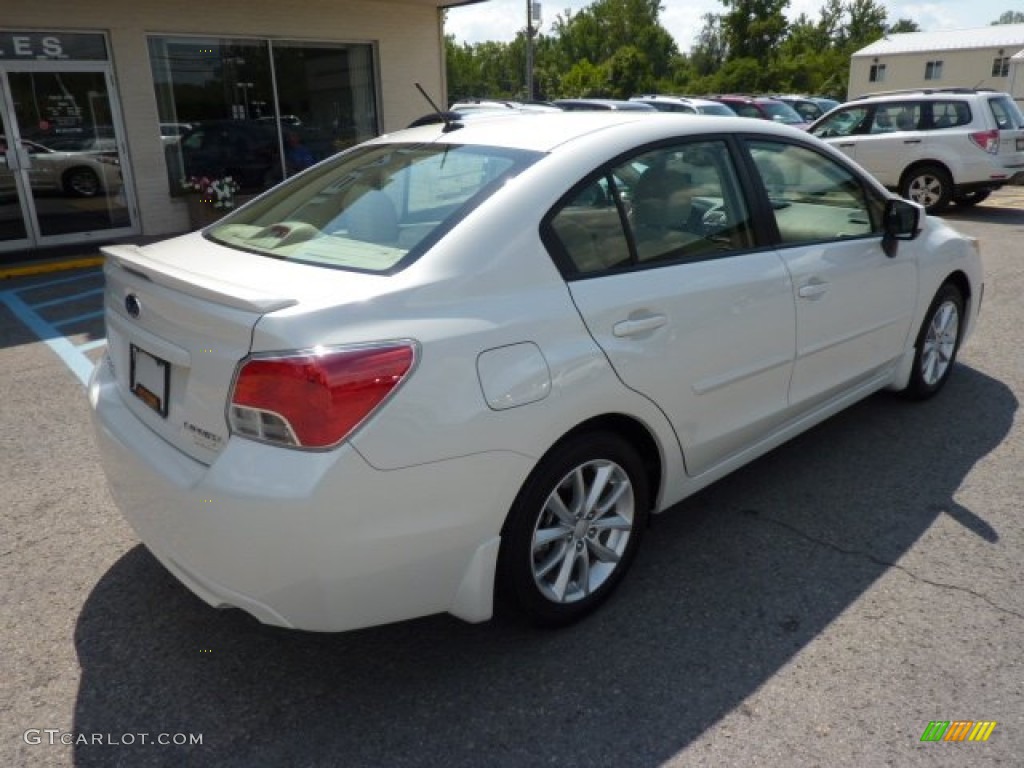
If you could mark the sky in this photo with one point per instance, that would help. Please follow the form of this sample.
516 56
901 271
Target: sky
501 19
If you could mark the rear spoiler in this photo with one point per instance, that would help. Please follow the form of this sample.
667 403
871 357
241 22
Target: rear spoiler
133 259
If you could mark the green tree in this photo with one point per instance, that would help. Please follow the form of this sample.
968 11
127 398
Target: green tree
865 23
597 34
710 50
1010 17
904 25
754 28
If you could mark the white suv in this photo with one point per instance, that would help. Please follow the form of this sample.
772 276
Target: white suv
933 146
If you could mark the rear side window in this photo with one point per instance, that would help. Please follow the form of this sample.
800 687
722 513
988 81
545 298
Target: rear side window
664 205
950 114
896 116
745 110
1006 113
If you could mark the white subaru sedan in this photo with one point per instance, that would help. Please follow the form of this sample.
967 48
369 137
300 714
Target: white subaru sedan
463 360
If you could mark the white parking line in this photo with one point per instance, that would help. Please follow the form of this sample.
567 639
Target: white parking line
73 355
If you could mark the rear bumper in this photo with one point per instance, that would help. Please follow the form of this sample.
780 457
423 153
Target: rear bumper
315 541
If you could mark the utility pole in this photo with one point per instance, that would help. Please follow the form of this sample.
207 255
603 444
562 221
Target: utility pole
532 14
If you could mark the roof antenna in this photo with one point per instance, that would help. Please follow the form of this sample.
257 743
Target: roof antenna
446 117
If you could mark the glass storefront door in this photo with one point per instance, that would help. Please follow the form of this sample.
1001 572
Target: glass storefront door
13 232
64 179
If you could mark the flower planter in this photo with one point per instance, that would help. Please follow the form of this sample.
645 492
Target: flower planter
202 213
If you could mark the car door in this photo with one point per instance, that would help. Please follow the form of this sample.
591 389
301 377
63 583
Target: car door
894 141
843 128
687 310
854 302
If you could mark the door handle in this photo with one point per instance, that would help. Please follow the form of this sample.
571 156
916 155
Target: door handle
639 325
849 144
812 290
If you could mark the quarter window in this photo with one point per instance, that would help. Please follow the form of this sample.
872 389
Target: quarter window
813 197
1006 113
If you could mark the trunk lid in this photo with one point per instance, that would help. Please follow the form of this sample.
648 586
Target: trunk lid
180 316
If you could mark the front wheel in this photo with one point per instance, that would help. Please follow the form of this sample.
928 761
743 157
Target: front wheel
574 528
972 198
937 343
82 182
928 185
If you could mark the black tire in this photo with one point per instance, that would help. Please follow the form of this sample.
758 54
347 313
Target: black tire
972 198
559 557
937 344
82 182
929 185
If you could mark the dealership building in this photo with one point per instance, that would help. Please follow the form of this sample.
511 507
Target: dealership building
107 106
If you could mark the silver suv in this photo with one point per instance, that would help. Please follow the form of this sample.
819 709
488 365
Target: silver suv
933 146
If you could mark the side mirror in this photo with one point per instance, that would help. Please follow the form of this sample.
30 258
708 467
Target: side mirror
901 220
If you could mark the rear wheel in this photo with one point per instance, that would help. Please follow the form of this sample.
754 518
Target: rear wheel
928 185
937 343
972 198
574 528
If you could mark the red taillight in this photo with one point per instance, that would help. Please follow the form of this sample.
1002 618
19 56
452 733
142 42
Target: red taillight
987 140
315 399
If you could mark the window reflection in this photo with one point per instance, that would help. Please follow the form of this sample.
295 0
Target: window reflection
220 114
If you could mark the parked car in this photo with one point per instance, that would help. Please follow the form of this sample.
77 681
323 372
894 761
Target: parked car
450 359
171 133
500 105
685 104
78 172
826 104
246 150
590 105
809 109
764 108
462 110
933 146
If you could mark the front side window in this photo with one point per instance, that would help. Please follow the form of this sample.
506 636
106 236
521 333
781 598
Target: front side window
664 205
374 209
842 122
933 70
813 197
258 110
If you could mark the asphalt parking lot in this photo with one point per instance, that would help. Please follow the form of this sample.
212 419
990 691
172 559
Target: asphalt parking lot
819 607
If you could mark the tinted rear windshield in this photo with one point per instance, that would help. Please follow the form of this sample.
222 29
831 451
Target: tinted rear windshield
374 209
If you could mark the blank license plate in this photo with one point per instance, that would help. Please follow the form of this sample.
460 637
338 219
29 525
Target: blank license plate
150 379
